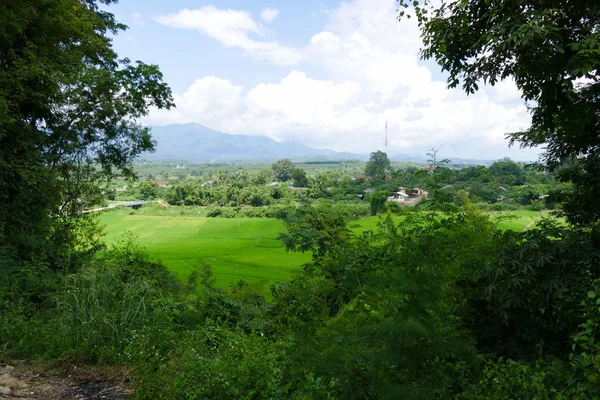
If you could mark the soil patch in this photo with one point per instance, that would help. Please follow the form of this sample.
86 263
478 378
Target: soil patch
21 381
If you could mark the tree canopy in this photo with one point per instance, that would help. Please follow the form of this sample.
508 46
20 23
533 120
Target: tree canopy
68 105
378 165
551 50
299 177
282 169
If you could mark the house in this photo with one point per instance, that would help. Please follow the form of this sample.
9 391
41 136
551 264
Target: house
500 198
208 183
419 192
368 191
273 184
398 197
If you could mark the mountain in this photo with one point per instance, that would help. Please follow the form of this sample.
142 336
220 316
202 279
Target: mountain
453 160
197 143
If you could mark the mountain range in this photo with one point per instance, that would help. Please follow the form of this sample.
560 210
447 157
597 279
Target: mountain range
197 143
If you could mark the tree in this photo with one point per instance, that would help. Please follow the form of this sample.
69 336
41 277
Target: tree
315 229
299 177
378 165
318 184
508 172
378 201
148 190
68 104
551 50
527 302
282 170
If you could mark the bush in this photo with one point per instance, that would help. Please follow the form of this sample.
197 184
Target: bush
211 362
96 310
516 380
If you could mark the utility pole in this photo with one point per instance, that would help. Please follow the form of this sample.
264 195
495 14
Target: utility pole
386 142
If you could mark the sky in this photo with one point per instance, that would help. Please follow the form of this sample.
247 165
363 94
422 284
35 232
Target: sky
325 73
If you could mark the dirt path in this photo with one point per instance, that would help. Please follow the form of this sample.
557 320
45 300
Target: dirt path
20 381
542 214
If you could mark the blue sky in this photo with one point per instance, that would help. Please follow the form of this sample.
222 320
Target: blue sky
322 72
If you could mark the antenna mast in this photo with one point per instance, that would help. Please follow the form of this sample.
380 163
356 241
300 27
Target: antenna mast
386 142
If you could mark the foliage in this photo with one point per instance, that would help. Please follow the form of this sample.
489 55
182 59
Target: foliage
283 170
516 380
93 312
378 201
378 166
507 172
148 190
67 104
211 362
552 53
314 229
394 331
585 358
434 302
527 300
299 177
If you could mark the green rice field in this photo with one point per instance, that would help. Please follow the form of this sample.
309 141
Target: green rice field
520 220
237 249
515 220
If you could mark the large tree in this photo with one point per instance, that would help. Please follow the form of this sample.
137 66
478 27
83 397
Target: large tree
551 50
299 177
378 166
282 169
69 112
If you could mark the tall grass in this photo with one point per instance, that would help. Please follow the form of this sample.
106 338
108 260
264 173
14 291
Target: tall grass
97 310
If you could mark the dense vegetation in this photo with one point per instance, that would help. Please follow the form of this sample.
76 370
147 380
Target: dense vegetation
504 185
438 303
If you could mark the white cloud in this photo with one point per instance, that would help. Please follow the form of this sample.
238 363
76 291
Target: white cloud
373 75
269 14
233 29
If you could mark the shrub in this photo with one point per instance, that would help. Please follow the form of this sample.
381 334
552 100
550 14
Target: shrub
211 362
97 309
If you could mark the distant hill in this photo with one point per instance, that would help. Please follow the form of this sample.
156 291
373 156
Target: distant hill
197 143
454 160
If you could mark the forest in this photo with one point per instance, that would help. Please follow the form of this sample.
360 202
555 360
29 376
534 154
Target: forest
435 301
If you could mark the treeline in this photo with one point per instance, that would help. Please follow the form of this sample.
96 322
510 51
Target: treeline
349 209
504 185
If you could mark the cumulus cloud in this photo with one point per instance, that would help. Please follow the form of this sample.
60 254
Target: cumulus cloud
233 28
372 75
269 14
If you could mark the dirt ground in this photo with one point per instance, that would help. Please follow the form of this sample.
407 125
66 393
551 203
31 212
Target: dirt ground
21 381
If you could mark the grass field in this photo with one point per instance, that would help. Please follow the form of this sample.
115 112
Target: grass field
240 248
517 221
520 220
